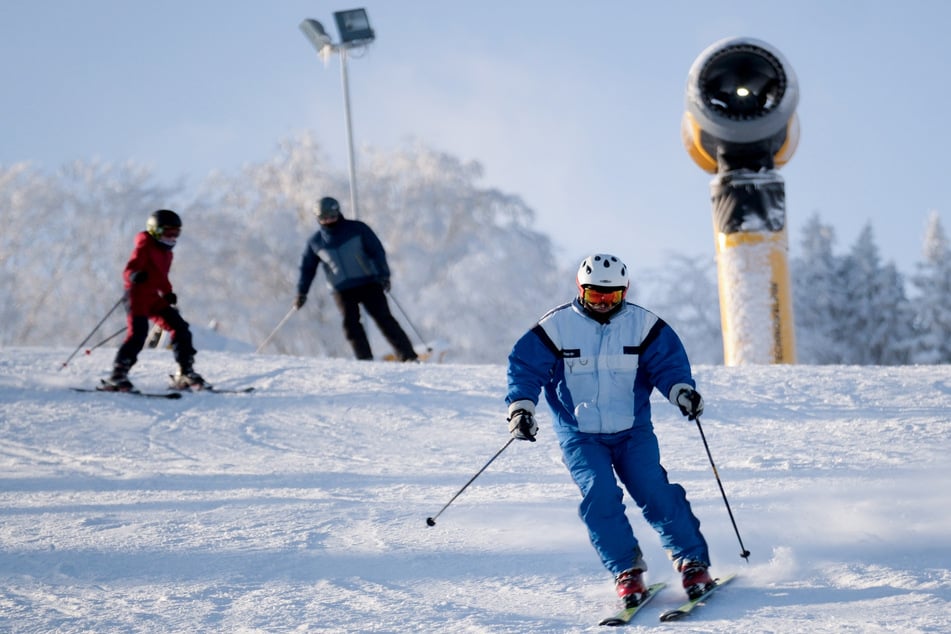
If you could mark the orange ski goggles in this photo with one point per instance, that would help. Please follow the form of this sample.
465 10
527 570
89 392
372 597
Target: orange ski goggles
590 295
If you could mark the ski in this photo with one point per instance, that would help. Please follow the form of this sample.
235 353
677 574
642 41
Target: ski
624 616
172 395
207 387
688 607
218 390
213 390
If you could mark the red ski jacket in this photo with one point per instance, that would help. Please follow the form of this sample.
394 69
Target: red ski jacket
153 257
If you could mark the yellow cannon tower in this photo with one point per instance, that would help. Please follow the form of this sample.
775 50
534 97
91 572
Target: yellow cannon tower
740 124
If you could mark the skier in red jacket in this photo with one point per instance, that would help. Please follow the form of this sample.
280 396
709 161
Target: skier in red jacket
149 296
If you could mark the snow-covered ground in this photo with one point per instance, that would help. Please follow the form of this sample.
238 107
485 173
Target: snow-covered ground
301 507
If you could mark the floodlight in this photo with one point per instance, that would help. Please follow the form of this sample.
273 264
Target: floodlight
354 26
314 31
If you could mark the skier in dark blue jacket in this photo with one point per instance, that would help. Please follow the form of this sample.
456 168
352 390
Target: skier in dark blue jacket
356 268
597 359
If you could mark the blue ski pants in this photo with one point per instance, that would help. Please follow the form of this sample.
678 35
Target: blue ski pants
593 460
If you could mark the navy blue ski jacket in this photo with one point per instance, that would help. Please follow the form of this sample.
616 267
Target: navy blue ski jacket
351 253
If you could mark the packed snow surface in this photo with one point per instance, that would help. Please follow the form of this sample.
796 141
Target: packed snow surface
301 507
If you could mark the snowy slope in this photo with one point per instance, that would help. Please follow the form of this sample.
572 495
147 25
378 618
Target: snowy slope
301 507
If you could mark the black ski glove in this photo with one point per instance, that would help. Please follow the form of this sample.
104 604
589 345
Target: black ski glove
521 420
299 301
688 400
385 283
171 298
137 277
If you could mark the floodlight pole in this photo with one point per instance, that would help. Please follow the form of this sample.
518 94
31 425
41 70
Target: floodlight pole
355 31
342 49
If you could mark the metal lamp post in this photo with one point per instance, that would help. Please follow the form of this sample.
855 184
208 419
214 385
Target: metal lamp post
355 32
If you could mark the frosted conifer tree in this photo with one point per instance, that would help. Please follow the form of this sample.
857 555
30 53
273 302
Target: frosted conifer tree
875 316
932 281
817 296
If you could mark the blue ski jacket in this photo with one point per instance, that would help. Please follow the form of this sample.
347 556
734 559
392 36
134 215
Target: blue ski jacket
597 378
351 253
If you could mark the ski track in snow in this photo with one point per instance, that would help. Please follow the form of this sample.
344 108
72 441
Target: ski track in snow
301 507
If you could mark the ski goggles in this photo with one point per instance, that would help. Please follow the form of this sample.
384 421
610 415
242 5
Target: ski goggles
593 296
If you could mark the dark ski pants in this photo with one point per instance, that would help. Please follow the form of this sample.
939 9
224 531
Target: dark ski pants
374 300
138 330
593 460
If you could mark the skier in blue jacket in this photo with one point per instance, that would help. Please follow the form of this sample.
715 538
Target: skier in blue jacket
597 359
356 268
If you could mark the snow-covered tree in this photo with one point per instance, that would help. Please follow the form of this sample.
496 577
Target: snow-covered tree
64 240
468 270
467 263
684 294
932 304
816 296
875 318
246 235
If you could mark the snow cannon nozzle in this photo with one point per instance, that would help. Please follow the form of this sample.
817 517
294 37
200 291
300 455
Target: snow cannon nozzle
741 100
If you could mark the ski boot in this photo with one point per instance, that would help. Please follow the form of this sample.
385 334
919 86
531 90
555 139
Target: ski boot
187 379
118 381
696 578
630 587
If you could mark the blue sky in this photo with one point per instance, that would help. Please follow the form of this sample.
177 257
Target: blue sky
574 106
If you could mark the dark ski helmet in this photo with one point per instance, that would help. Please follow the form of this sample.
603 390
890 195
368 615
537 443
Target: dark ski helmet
161 220
328 209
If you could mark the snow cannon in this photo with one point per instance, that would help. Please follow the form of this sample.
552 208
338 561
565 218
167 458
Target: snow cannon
740 124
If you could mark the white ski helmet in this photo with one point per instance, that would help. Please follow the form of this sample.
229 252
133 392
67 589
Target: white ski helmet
603 270
606 276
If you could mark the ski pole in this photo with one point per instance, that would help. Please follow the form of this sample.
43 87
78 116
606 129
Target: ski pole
431 521
276 328
106 340
745 554
410 322
89 336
